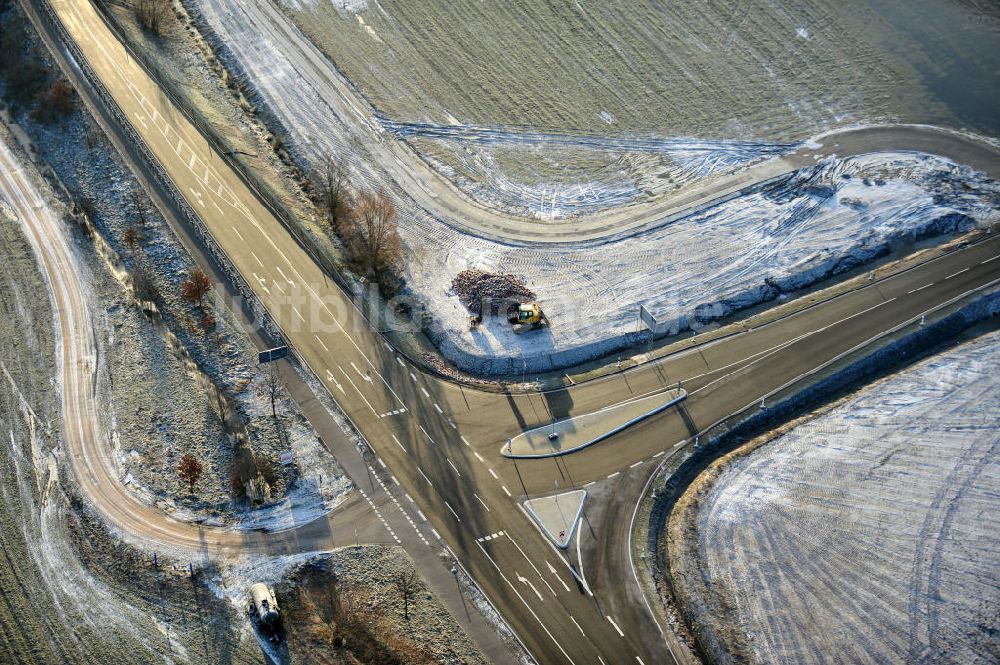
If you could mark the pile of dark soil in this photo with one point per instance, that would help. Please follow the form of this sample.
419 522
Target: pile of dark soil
474 286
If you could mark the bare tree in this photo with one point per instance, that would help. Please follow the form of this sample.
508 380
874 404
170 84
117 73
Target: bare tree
195 287
406 585
152 14
334 191
143 279
189 470
270 387
373 237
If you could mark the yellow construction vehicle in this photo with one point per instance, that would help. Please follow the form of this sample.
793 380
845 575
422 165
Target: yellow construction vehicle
529 316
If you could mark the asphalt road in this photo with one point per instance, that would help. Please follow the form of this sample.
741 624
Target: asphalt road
440 441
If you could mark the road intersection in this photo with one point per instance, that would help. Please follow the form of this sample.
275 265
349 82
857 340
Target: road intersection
437 443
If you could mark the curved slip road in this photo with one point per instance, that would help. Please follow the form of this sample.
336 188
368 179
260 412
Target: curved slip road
326 115
438 441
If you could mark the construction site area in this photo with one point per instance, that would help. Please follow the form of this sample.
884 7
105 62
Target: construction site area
379 332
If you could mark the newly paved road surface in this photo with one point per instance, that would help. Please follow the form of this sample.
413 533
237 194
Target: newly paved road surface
439 441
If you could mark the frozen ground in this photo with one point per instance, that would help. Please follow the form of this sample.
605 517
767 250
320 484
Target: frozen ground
359 580
731 256
72 593
779 71
734 255
869 534
164 379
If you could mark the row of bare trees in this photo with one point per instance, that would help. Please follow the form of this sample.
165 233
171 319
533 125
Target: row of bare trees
365 221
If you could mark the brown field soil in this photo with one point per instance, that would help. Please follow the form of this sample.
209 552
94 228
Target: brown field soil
756 69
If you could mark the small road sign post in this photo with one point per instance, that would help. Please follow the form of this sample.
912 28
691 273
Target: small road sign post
277 353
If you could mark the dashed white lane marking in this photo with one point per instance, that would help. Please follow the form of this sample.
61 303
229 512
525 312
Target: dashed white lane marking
590 483
614 474
992 258
919 289
640 660
329 377
505 490
381 463
956 274
381 519
465 441
678 444
523 601
481 502
398 443
615 625
662 452
438 408
283 275
494 474
492 536
424 391
555 574
401 509
367 377
400 361
479 457
413 376
524 580
395 480
298 313
577 625
632 466
256 259
321 343
533 566
238 234
421 513
601 661
455 468
425 433
425 476
351 381
453 511
436 534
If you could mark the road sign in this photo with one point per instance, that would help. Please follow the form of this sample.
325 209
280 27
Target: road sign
647 318
286 457
277 353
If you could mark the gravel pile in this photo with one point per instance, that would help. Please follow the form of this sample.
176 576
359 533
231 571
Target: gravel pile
472 286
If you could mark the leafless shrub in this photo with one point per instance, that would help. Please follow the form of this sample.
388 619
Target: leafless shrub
152 14
144 280
189 471
54 103
195 287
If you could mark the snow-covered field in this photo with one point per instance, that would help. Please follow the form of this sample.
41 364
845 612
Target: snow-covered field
734 255
869 534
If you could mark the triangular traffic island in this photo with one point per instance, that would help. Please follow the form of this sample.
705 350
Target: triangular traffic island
577 432
558 515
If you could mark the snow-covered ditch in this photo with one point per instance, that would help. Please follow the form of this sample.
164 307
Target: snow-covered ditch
867 534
